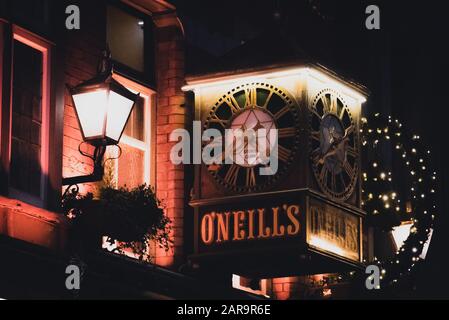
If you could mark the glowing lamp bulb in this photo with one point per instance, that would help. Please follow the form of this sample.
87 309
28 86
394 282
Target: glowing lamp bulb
102 109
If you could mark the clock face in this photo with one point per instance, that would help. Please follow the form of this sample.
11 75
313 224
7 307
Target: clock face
334 145
254 106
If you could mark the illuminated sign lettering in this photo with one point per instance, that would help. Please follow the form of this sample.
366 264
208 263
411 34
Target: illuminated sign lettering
334 230
250 224
293 220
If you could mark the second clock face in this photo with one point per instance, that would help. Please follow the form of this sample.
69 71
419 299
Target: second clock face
254 106
334 145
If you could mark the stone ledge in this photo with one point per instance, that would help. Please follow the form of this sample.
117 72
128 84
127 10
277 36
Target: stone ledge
38 226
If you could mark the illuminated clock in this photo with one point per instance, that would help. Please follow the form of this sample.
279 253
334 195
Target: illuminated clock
254 106
334 145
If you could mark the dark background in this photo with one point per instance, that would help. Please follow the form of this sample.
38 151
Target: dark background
403 65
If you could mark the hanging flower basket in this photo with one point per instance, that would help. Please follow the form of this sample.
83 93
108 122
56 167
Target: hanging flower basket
124 215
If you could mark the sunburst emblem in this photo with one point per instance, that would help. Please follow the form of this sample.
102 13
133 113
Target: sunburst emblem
255 120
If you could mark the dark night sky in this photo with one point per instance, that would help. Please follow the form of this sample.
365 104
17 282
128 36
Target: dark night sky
403 65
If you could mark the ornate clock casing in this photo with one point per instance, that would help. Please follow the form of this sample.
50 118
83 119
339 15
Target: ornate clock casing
334 112
317 117
334 145
256 105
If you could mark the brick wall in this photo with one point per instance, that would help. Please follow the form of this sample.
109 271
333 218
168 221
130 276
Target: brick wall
171 115
285 288
83 50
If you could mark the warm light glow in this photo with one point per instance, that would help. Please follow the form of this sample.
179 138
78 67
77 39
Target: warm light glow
328 246
245 77
327 292
263 286
426 246
401 233
145 145
114 245
338 86
95 107
118 112
91 111
278 73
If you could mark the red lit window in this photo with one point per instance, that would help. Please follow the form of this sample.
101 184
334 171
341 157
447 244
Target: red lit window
28 116
134 167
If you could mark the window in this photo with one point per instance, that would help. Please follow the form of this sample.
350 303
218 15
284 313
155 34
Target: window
134 166
255 286
129 35
2 41
29 117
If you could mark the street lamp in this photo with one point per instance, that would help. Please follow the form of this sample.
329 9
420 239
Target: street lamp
102 107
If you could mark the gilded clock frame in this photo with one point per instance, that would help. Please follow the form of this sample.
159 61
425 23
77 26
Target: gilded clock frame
353 152
286 156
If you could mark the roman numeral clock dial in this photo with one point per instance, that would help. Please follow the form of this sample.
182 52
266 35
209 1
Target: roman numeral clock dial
334 145
254 106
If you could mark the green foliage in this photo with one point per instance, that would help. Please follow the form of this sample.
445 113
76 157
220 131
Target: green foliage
133 218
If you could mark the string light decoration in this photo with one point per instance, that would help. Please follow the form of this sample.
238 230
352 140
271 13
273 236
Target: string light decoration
384 205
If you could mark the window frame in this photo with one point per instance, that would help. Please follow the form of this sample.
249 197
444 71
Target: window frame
148 76
2 49
264 286
147 146
11 33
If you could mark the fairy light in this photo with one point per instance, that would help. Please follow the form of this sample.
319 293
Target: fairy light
389 201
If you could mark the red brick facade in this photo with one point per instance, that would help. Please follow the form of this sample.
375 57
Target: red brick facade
83 50
171 115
